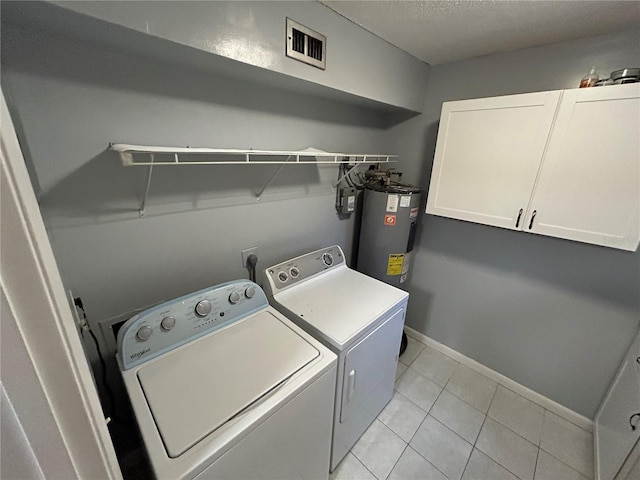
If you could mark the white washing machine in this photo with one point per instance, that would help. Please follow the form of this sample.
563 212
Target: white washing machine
223 386
359 318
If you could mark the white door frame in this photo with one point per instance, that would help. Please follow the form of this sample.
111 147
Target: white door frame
44 370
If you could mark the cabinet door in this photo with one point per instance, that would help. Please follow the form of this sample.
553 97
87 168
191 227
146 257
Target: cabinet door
589 183
615 436
487 157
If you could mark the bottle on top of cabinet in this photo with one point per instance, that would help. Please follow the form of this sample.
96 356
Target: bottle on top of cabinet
590 79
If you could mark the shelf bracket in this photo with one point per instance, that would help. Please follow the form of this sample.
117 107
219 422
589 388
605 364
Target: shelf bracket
341 177
148 185
275 174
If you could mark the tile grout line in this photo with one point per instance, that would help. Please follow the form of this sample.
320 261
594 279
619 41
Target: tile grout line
427 378
452 431
544 408
396 463
535 469
493 460
486 415
540 400
442 389
423 420
485 453
405 447
473 446
445 426
538 445
361 463
425 417
499 384
465 402
426 460
513 431
566 464
592 434
419 343
407 399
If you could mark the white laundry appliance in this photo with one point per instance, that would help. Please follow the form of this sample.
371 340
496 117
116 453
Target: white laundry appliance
223 386
359 318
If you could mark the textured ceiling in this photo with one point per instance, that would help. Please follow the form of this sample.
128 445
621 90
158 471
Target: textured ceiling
446 31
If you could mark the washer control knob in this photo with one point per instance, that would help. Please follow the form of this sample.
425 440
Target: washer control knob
249 292
203 308
144 333
294 272
327 259
234 298
167 323
283 277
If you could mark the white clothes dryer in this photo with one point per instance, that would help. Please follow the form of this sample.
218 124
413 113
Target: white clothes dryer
223 386
359 318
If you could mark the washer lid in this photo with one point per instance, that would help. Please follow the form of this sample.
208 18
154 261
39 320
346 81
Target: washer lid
195 389
340 303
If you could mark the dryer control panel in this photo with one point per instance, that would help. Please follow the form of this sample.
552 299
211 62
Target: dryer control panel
176 322
282 276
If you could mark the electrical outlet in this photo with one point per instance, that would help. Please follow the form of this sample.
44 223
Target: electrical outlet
246 253
74 311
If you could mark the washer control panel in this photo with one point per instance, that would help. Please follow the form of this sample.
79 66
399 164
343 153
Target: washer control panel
176 322
286 274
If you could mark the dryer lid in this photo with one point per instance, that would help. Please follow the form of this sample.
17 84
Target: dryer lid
340 303
194 390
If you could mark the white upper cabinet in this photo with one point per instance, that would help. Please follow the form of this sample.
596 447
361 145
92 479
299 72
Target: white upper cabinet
487 156
588 188
562 163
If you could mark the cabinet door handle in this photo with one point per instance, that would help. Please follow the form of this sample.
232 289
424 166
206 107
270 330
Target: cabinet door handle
533 215
518 220
631 419
351 385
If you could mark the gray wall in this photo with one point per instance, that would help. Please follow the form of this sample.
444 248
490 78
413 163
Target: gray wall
554 315
70 99
254 33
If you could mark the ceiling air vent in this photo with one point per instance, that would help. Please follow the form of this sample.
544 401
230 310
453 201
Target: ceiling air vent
305 45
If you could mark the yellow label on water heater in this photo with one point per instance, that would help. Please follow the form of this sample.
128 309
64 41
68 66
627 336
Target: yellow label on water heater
394 266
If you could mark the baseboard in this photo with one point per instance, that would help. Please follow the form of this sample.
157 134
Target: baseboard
537 398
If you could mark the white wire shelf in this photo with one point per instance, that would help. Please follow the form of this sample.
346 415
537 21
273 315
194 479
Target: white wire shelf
153 156
130 156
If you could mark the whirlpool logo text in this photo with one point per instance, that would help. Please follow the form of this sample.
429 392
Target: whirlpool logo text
139 354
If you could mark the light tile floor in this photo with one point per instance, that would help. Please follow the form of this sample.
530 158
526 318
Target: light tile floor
447 422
